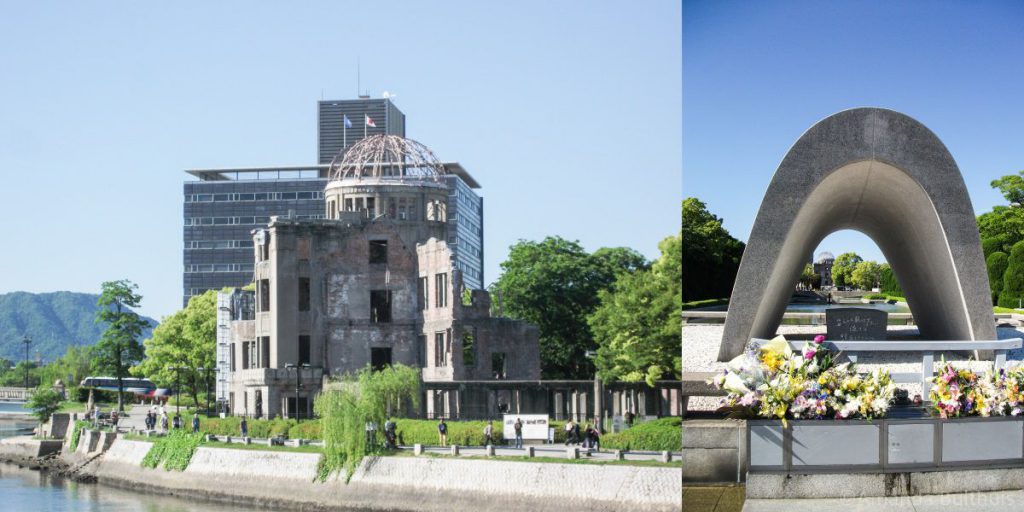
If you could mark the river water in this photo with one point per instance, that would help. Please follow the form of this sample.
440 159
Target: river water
27 490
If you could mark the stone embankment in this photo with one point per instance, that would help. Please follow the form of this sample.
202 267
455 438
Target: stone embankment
288 479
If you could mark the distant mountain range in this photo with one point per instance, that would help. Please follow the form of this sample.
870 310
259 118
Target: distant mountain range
54 321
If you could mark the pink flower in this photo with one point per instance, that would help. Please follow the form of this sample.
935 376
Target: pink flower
809 354
819 339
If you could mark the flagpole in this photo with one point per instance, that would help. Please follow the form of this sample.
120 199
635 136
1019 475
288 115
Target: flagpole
344 134
365 117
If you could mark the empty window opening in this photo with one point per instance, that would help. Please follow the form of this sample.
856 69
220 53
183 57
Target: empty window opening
380 306
378 251
304 349
498 365
469 347
441 290
380 358
303 294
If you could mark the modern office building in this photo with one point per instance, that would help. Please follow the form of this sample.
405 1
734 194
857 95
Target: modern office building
333 136
223 206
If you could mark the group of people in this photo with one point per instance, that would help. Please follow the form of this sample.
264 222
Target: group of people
95 415
159 416
442 433
590 439
153 417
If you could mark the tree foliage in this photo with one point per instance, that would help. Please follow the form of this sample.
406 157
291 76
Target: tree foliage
119 347
186 340
367 396
44 402
865 274
842 268
710 255
1012 188
888 282
554 284
637 324
1013 279
996 263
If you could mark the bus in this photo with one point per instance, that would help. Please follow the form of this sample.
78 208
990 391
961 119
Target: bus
141 387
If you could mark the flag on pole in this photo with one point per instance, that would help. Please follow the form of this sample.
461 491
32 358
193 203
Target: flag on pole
369 121
344 130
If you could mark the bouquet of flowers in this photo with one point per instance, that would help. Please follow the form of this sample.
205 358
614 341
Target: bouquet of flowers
775 382
959 392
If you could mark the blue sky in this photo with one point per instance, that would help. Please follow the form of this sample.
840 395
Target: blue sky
568 114
756 75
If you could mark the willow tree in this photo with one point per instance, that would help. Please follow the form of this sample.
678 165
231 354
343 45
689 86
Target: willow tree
367 396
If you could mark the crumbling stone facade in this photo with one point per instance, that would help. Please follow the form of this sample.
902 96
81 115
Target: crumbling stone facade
372 284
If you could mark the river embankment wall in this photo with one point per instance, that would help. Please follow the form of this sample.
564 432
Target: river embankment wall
288 479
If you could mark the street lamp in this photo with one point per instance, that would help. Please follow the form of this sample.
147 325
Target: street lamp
206 380
298 369
26 340
177 389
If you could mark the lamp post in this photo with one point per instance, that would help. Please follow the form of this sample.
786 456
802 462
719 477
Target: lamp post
177 388
26 340
206 381
298 369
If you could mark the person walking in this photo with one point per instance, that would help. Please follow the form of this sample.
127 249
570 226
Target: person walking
442 433
518 426
195 424
244 426
177 421
164 421
568 433
489 434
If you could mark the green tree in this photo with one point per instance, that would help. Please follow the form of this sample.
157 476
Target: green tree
996 264
554 284
1012 188
1013 280
807 276
865 275
889 283
186 340
710 255
119 347
842 268
70 368
44 402
637 324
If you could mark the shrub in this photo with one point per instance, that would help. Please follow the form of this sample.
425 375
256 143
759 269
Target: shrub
76 434
174 450
1013 279
44 402
657 435
875 296
888 283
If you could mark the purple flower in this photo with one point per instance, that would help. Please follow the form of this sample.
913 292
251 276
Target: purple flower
809 354
819 339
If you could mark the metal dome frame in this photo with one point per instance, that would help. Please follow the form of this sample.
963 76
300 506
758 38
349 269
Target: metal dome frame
387 157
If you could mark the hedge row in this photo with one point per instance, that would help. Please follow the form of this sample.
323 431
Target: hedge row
656 435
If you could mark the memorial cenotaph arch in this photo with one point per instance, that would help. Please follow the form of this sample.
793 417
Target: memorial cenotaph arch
886 175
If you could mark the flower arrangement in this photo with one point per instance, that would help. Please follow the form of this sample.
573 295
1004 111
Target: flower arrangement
961 392
775 382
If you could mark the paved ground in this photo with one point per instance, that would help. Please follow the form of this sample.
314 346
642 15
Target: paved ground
968 502
544 450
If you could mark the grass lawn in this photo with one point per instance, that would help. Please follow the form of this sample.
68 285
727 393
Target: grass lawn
233 446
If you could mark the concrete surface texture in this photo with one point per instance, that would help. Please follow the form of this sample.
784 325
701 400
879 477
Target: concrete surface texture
286 479
966 502
882 173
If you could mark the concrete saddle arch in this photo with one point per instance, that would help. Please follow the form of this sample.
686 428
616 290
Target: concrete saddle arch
886 175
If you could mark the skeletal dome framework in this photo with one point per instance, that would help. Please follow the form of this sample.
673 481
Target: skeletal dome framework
386 157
